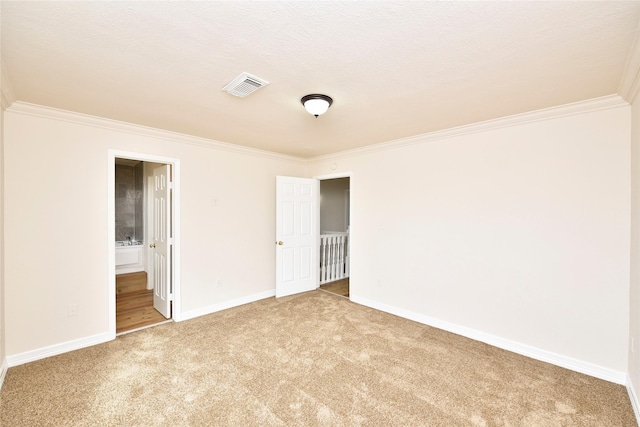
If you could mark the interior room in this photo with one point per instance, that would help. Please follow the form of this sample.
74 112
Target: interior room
488 206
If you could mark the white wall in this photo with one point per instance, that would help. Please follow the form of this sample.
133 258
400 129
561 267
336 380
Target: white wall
333 204
3 352
634 294
520 233
56 208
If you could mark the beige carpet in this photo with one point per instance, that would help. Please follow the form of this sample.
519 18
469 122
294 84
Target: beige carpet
306 360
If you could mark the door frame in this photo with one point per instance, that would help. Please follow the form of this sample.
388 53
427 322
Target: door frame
111 230
349 175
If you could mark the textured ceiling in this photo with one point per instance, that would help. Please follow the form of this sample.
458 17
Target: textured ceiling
394 69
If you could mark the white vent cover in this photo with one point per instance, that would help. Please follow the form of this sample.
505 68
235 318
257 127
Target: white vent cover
244 85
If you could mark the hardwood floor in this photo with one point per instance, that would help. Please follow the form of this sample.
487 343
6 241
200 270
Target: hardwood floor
131 282
339 287
134 303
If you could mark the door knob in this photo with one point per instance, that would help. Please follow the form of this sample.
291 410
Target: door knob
153 245
280 243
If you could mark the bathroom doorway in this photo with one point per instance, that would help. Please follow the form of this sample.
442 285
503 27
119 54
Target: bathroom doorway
144 204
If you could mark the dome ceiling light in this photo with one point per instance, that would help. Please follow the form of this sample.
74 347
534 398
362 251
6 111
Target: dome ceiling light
316 104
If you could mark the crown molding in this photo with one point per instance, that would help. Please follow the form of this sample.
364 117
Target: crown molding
630 81
596 104
25 108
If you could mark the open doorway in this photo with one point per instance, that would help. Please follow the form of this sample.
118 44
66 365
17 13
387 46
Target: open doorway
143 241
335 206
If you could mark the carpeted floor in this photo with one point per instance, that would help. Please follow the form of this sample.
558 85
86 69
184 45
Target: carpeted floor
305 360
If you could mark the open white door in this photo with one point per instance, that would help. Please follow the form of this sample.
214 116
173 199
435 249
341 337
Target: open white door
161 240
297 234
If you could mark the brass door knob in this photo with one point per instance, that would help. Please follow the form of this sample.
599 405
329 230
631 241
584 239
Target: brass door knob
280 243
153 245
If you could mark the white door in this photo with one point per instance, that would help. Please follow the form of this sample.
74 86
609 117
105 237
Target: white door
297 235
161 240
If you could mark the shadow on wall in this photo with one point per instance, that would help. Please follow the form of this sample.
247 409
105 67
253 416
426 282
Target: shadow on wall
334 205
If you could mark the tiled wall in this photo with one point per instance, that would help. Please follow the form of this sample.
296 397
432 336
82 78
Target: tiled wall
129 202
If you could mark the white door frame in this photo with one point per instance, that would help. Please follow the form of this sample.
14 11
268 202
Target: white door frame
111 230
334 176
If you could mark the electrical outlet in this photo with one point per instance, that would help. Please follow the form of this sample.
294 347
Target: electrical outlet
72 310
218 283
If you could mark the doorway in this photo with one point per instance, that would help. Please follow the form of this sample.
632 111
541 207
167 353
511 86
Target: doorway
143 241
335 208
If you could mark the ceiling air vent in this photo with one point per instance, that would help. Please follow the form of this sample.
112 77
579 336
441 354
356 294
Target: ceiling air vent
244 85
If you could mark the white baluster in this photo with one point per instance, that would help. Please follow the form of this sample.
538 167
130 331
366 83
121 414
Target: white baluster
340 258
334 257
346 257
329 246
323 259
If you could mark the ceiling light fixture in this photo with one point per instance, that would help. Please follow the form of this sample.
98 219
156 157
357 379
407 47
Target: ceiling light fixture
316 104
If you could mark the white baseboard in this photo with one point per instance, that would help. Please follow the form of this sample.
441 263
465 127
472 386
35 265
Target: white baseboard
41 353
586 368
634 399
226 305
53 350
3 371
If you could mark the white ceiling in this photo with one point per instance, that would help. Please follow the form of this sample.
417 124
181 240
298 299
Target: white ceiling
394 68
